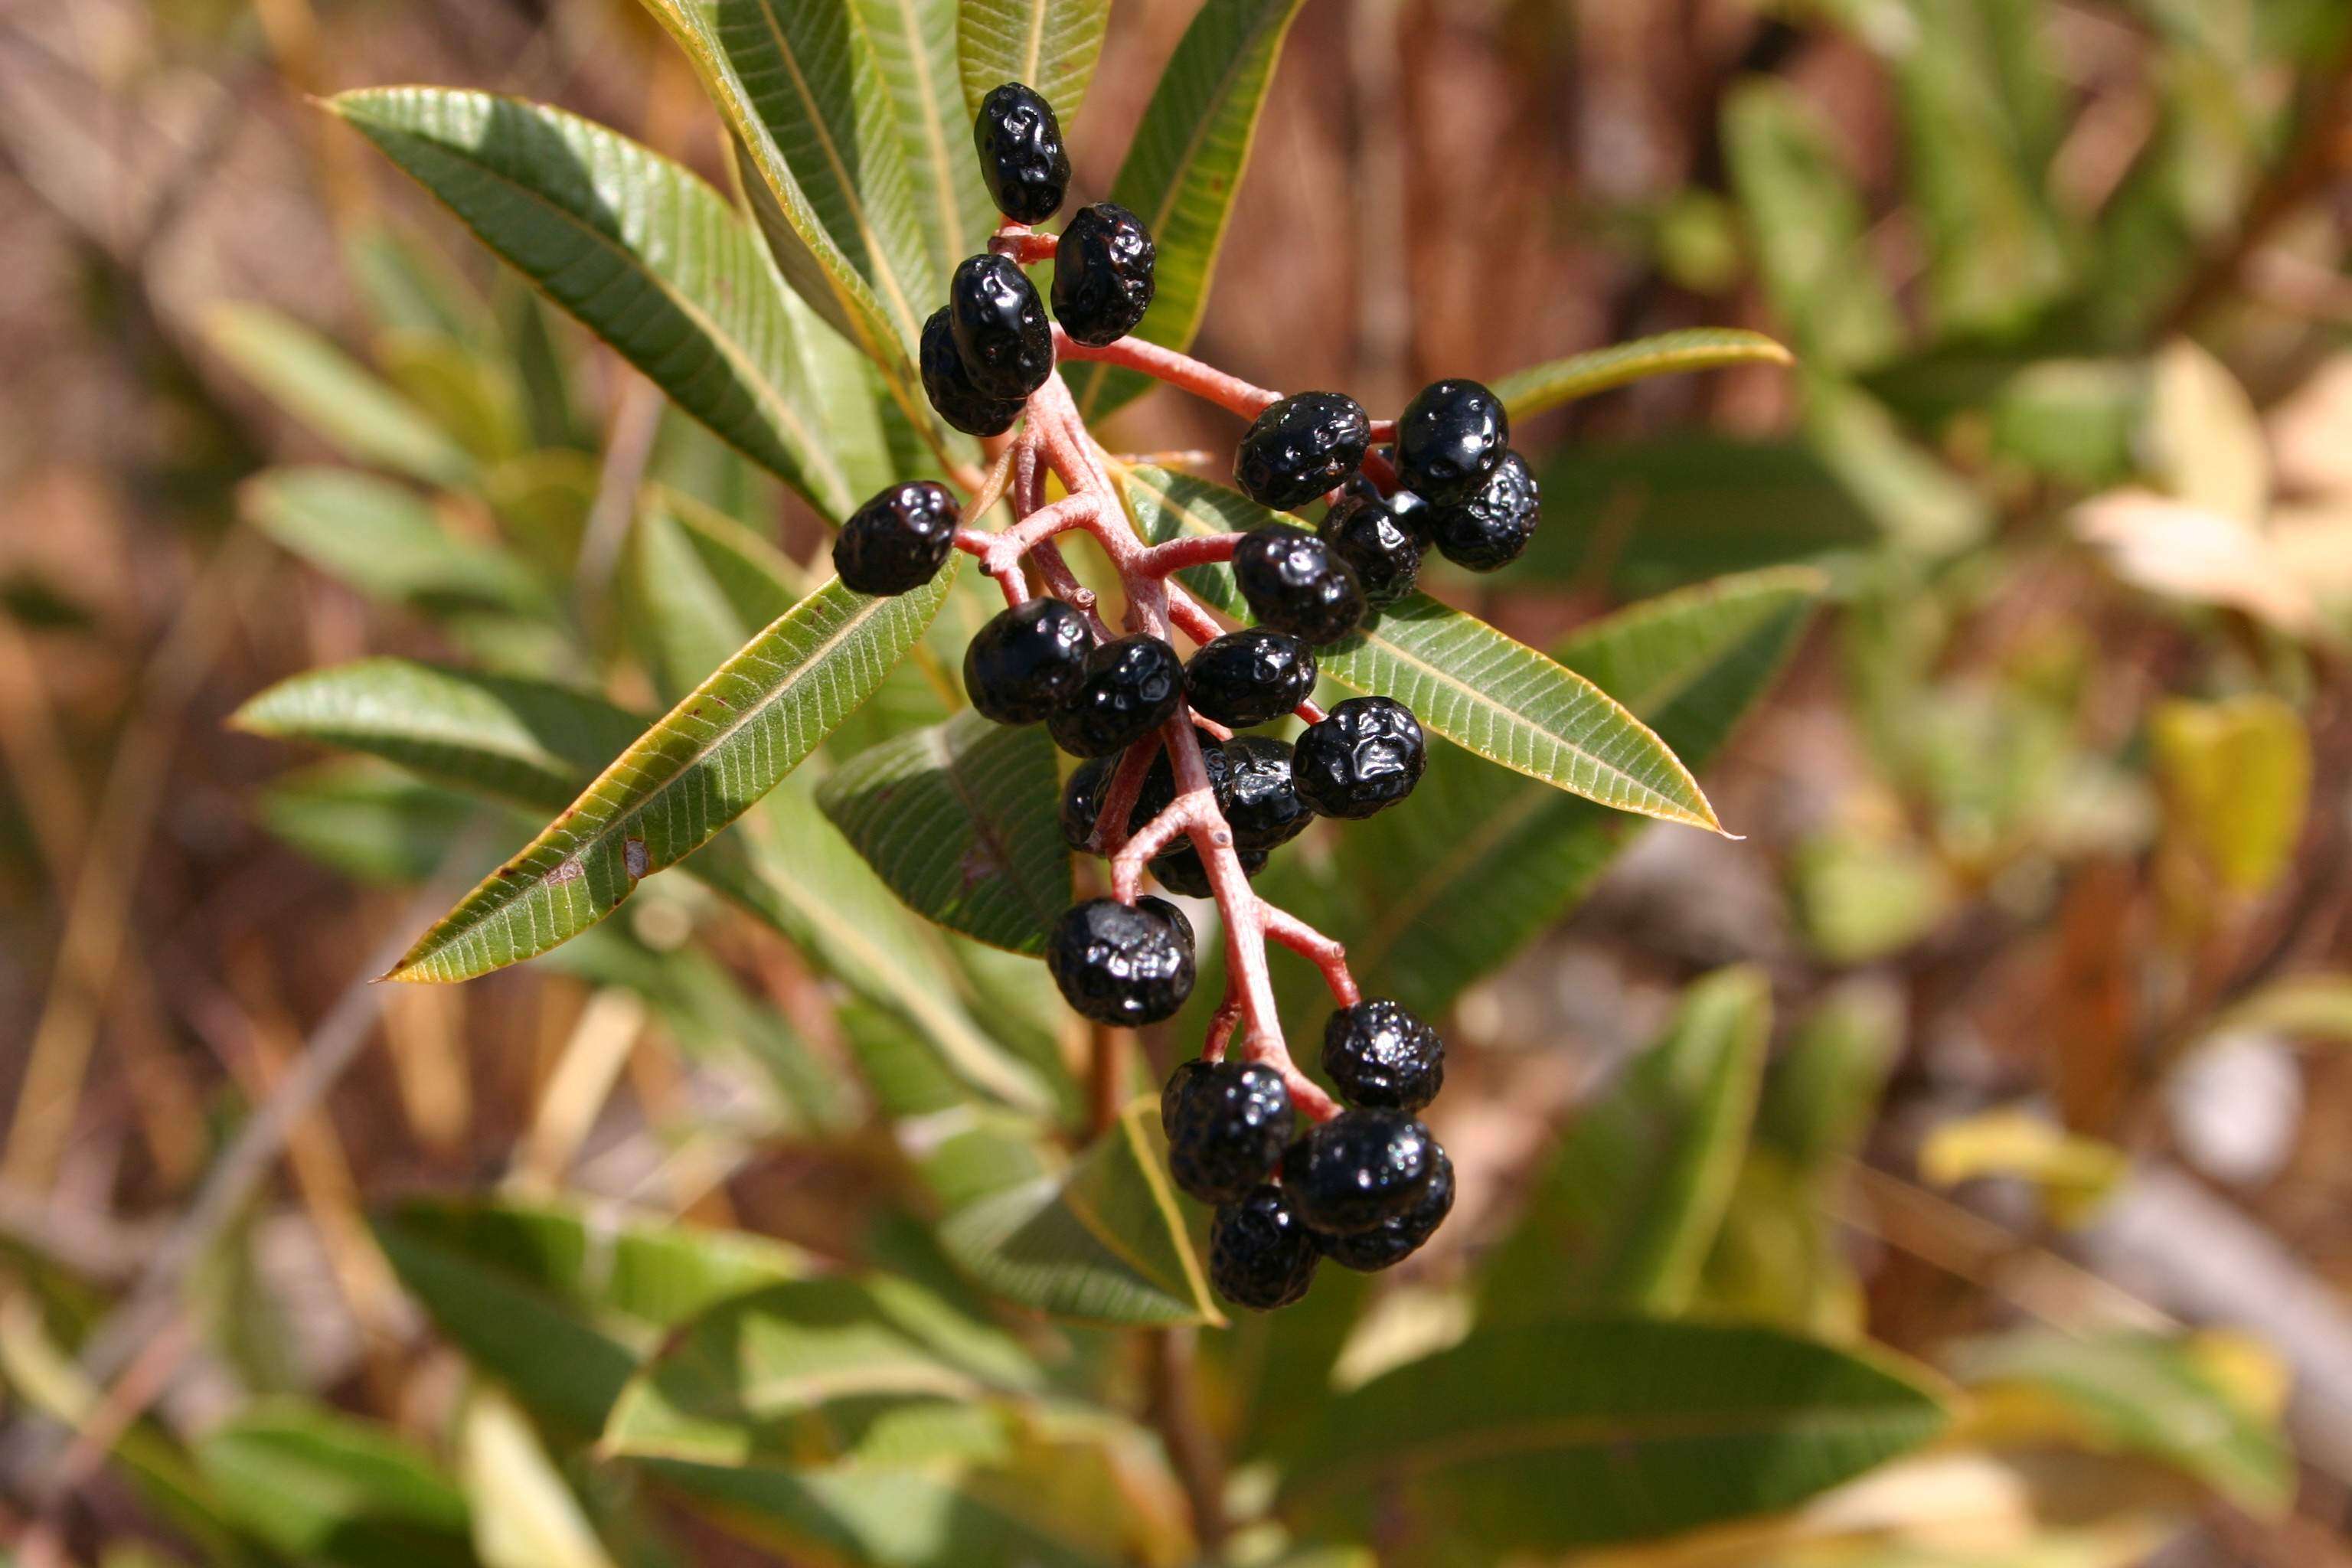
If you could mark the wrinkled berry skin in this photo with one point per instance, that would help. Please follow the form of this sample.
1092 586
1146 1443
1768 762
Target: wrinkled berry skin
1377 1054
1493 526
1159 789
1129 688
1021 159
1228 1130
899 540
1262 804
1410 511
949 388
1261 1254
1360 1169
1173 916
1180 1084
1301 447
1366 754
1392 1241
1026 661
1000 327
1119 966
1082 800
1380 551
1103 274
1296 584
1250 676
1181 871
1449 439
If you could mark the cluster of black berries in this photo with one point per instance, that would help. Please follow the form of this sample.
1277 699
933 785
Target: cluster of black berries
1364 1189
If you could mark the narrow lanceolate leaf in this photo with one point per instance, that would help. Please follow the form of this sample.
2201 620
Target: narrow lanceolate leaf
1051 45
913 45
334 396
1184 167
1542 387
1435 904
1462 678
1623 1216
323 1488
960 819
386 540
725 745
643 252
1553 1435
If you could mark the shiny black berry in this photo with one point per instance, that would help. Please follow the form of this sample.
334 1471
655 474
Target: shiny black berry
1180 869
1380 551
1025 662
899 540
1262 804
1158 792
1119 964
1021 160
1392 1241
1296 584
1410 511
1250 676
1261 1254
1179 1087
1367 754
1490 528
1302 447
1082 800
1377 1054
1157 905
1449 439
1103 278
1129 688
1227 1130
1000 327
1357 1170
951 390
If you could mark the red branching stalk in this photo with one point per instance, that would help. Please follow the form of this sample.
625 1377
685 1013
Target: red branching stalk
1054 438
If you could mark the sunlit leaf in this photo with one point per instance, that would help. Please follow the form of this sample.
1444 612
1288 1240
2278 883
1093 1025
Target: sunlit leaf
328 1489
2074 1173
1532 390
2236 777
1184 167
1550 1435
913 43
1050 45
643 252
344 403
364 821
524 1514
469 393
385 542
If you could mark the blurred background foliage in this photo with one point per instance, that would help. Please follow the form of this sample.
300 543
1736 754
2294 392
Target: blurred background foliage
2008 1042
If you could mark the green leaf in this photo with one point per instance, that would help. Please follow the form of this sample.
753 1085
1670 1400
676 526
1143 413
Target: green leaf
1184 169
559 1306
1540 388
464 390
702 583
1462 680
1050 45
644 253
961 819
1622 1218
1100 1242
338 400
913 43
386 540
524 1514
1552 1435
726 745
2152 1395
327 1489
363 821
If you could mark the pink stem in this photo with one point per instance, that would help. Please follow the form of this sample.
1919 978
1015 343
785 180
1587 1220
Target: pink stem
1190 617
1178 369
1193 550
1308 713
1329 955
1024 244
1118 800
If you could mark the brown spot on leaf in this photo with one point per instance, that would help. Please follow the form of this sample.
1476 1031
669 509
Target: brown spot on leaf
633 855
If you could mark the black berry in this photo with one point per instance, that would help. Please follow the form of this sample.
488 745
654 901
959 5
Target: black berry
1392 1241
1158 792
1180 869
1261 1254
1262 804
1367 754
1380 551
1250 676
1227 1130
1449 439
1103 278
1021 160
1119 964
1494 524
951 390
1302 447
899 540
1173 916
1179 1087
1296 584
1026 661
1000 327
1357 1170
1377 1054
1082 800
1129 688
